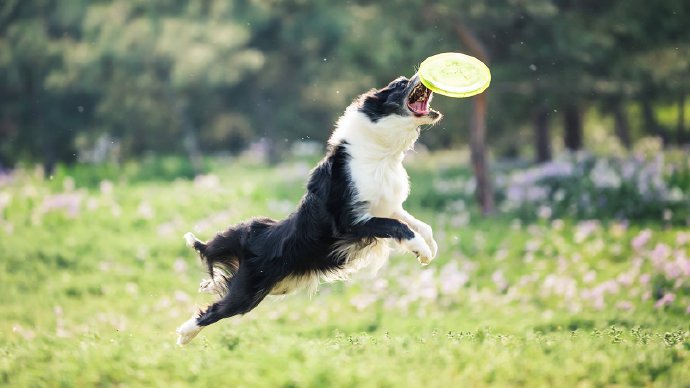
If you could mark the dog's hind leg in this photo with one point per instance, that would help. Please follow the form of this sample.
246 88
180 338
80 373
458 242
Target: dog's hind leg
214 285
221 255
245 292
187 331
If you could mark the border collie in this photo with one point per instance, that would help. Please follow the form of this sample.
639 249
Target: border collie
352 211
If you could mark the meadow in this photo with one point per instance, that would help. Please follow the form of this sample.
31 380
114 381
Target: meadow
95 277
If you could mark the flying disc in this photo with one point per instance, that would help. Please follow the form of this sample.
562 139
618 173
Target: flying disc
454 75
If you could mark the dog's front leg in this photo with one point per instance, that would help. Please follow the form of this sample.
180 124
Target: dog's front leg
420 227
395 229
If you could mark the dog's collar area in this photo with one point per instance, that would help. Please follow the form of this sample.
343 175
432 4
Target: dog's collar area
419 99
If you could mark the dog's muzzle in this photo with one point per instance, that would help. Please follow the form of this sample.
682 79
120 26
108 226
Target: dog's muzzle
419 99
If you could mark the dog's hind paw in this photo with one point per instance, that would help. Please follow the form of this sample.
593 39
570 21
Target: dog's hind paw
187 331
190 239
208 286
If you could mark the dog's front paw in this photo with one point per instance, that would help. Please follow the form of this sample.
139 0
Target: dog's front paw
424 260
420 248
434 248
187 331
428 235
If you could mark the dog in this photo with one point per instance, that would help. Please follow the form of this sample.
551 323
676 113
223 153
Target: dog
348 219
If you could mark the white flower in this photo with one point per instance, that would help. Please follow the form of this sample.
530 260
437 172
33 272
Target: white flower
603 176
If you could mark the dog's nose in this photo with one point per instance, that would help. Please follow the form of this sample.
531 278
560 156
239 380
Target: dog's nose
414 79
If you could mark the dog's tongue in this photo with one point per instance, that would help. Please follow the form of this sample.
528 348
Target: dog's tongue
419 106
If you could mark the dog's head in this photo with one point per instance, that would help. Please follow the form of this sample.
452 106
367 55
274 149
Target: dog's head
404 97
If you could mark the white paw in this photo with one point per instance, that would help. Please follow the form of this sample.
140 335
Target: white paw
208 286
434 247
428 236
189 239
420 248
187 331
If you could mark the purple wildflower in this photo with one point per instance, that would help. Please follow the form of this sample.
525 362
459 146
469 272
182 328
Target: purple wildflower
665 300
451 279
639 241
499 280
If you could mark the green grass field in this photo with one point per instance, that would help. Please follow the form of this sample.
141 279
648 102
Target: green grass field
95 277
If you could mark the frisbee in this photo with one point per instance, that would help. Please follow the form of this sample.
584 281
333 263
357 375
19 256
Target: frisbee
454 75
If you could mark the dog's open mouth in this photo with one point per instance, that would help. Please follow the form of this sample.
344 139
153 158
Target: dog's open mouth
419 100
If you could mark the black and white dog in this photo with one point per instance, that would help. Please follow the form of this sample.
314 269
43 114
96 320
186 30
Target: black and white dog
352 209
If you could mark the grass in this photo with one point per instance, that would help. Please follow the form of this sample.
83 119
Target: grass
95 277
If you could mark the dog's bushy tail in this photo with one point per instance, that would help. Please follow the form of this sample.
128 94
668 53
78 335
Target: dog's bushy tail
193 242
221 253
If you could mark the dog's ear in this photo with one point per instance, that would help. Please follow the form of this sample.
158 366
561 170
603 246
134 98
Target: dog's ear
385 99
392 97
379 96
377 103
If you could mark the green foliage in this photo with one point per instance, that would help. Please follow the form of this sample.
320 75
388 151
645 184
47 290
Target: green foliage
179 76
95 277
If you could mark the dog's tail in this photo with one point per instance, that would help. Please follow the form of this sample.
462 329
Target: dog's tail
221 253
193 242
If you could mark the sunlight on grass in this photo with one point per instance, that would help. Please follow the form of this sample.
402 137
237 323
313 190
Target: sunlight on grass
95 277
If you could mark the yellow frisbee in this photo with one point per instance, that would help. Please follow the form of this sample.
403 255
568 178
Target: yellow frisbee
454 75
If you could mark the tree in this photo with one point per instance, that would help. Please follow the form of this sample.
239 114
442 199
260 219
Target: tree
164 73
39 124
187 76
478 148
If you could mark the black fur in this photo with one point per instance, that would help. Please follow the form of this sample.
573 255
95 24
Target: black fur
259 253
386 101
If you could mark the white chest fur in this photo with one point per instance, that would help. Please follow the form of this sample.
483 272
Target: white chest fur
376 152
381 182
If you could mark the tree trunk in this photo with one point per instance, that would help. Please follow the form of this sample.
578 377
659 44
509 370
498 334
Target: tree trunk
651 125
42 140
621 124
572 125
478 152
190 142
266 121
680 125
479 157
542 137
191 147
48 141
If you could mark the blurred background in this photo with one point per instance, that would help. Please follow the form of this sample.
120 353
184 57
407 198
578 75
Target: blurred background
95 81
125 124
